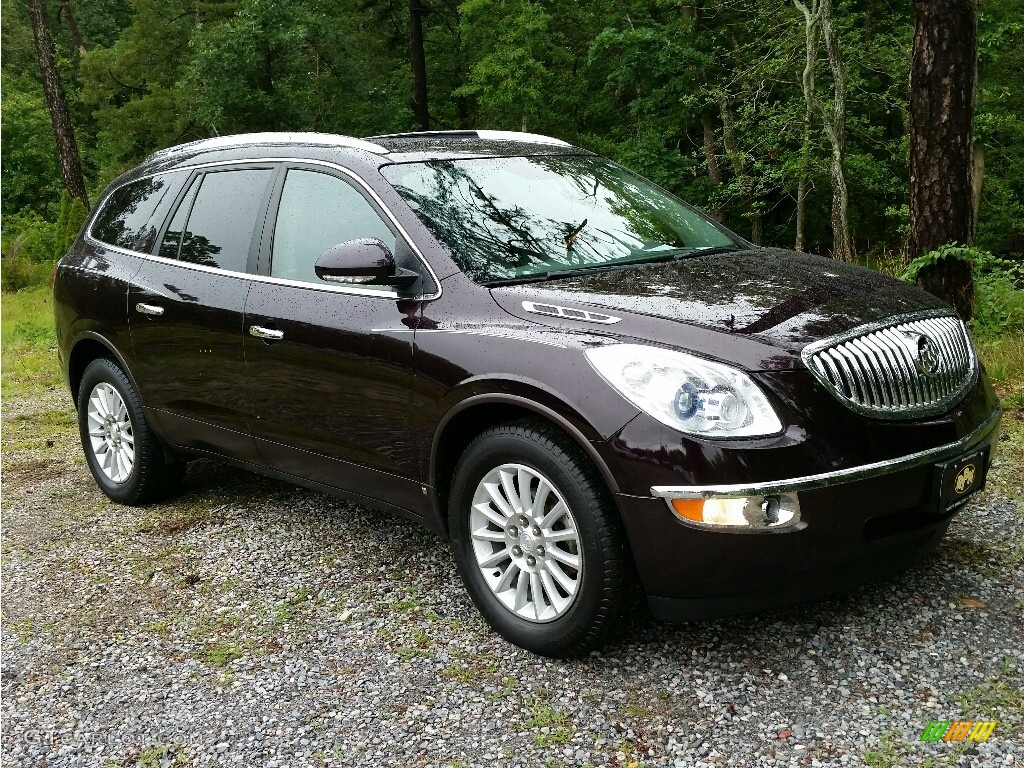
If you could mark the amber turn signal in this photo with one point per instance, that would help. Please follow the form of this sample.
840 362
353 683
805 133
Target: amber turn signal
690 509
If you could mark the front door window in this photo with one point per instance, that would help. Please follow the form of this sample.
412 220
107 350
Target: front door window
316 212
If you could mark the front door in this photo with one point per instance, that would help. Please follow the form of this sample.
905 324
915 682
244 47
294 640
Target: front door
186 310
329 394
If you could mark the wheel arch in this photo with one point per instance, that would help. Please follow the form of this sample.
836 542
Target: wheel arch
474 414
87 347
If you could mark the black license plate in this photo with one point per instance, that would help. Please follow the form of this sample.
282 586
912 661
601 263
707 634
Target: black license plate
959 479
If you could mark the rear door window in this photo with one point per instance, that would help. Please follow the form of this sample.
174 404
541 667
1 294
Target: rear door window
133 213
171 243
221 219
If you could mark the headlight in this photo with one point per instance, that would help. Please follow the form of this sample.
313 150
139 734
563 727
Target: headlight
686 392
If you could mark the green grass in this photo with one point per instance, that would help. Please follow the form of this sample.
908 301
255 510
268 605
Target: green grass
555 732
221 654
893 752
28 341
1004 360
162 756
1000 695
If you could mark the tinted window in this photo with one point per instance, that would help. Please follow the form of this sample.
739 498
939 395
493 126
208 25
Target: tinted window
220 225
172 237
514 217
133 214
316 212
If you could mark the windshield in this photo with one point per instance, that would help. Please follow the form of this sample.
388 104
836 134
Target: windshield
505 218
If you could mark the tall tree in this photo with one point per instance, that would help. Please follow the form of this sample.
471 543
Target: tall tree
835 128
69 17
819 21
56 103
943 76
812 19
418 61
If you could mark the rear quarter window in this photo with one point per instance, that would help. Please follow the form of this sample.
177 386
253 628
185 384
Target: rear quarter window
132 215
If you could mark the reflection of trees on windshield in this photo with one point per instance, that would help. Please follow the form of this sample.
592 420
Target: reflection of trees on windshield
650 215
505 217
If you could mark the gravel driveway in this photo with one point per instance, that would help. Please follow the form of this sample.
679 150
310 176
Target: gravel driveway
250 623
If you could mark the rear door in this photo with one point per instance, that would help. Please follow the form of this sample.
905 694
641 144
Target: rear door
186 310
330 393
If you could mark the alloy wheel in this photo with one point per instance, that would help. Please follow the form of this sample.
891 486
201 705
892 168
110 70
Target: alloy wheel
110 433
526 542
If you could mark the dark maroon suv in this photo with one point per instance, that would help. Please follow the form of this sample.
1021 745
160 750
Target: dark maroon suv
585 384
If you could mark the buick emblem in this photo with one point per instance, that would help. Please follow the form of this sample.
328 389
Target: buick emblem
925 352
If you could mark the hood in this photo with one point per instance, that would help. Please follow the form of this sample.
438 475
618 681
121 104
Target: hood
762 297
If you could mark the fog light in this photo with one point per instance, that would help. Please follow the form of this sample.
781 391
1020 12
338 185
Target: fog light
740 511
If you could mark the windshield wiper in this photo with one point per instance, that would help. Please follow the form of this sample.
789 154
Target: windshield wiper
689 253
541 277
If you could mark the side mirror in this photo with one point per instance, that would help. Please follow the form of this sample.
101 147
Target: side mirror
367 261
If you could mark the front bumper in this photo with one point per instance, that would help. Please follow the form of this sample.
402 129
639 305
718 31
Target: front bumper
857 524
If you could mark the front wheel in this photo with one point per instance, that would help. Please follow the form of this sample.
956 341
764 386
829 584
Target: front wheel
126 459
537 541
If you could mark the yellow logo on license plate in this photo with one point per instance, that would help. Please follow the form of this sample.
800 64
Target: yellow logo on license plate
965 479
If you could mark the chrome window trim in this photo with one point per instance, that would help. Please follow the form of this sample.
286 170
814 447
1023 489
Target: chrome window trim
837 477
353 290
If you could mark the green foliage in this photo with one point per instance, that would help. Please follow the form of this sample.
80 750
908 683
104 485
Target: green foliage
69 223
28 247
948 251
27 153
998 287
653 83
31 244
509 77
998 126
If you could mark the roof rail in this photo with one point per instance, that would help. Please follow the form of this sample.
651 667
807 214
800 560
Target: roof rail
269 137
532 138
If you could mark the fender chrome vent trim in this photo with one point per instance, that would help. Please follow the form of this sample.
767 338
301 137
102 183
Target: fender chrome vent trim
569 313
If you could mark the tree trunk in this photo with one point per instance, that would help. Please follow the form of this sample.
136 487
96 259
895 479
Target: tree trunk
977 180
835 128
756 227
418 61
812 17
56 103
739 169
711 159
943 75
76 33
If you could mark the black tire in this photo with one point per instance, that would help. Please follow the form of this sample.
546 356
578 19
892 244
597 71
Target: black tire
155 473
605 581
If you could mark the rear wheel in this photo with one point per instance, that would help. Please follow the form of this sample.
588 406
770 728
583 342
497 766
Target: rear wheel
537 540
125 457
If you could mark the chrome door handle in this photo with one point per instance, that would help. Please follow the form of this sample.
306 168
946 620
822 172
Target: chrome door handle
265 333
152 310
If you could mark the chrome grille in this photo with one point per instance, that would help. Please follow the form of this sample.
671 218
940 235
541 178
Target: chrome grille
919 366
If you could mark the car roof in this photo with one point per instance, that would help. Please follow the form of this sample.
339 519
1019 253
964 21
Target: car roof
375 150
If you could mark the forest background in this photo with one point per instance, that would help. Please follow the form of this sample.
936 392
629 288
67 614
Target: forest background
788 121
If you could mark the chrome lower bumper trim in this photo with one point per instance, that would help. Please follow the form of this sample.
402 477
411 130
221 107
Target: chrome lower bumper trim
826 479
